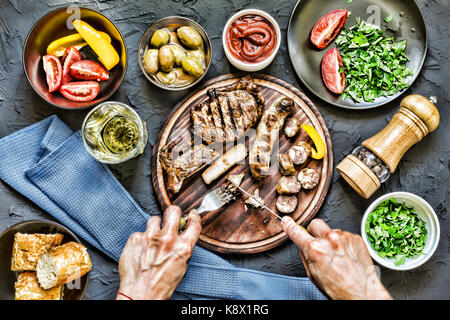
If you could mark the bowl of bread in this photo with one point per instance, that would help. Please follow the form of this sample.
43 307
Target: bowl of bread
42 260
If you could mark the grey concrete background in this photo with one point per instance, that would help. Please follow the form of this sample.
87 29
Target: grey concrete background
424 170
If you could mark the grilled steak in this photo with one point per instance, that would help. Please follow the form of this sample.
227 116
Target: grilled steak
229 112
191 160
226 116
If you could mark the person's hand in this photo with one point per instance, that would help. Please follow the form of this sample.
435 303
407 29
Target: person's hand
154 262
338 262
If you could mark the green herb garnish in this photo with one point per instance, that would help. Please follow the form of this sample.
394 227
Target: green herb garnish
388 18
396 231
375 65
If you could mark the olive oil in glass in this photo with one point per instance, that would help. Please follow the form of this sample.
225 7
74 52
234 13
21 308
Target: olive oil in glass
113 133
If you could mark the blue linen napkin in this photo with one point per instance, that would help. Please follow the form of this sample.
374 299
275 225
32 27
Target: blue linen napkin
47 163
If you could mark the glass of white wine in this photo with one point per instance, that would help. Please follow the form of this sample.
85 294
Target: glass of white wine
114 133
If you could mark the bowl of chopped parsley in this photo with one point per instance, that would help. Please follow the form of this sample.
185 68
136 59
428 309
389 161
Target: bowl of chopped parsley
401 230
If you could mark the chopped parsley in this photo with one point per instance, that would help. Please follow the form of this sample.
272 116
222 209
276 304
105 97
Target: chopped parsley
388 18
374 64
396 231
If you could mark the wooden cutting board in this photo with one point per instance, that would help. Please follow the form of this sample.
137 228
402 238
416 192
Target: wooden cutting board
232 229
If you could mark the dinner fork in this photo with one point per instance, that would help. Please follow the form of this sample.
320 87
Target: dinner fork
214 200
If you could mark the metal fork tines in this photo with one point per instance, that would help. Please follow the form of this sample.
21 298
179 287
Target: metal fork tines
215 200
218 198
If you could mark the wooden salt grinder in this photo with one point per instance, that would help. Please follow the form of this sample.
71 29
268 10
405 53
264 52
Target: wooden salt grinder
416 117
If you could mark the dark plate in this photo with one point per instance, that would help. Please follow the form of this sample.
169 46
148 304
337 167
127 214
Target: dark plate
8 277
306 59
53 26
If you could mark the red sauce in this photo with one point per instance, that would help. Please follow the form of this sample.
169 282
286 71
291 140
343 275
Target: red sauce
251 38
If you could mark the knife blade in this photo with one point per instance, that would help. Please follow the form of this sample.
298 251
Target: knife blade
257 201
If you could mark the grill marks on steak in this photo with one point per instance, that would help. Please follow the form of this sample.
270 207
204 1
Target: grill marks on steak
236 112
217 117
190 160
229 113
227 120
250 114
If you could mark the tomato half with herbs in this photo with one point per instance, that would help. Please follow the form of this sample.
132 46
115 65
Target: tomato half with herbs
328 27
88 70
53 71
80 91
70 56
333 71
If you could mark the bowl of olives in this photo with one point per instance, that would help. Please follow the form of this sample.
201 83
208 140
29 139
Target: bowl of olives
174 53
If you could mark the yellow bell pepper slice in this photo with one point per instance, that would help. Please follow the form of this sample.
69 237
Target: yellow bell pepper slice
75 40
320 150
107 55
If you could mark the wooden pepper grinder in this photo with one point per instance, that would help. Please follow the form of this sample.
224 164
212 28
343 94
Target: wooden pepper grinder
370 164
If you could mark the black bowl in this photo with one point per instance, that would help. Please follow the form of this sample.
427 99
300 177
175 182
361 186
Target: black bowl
53 26
306 59
8 277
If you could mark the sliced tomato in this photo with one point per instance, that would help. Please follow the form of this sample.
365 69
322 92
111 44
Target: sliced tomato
80 90
333 71
70 56
53 70
328 27
88 70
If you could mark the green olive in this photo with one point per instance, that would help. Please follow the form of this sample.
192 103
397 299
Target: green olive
189 37
167 78
174 38
151 61
178 53
166 59
159 38
182 77
197 54
192 66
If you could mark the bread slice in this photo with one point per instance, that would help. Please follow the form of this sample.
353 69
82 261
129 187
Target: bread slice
62 265
28 248
27 288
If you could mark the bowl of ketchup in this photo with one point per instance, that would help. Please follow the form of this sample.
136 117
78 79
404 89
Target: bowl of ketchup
251 39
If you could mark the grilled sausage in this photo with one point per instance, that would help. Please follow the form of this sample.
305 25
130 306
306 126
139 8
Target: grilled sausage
309 178
299 152
286 165
286 204
292 127
224 162
288 185
267 133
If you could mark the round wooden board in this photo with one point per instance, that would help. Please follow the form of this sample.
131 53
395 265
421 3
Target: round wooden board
232 229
